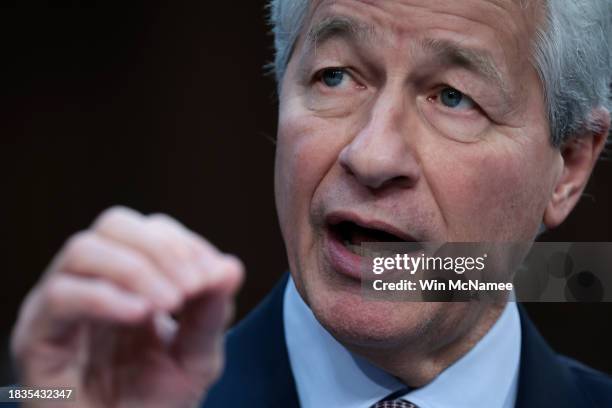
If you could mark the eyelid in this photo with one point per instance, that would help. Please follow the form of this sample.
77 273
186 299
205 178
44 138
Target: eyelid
350 72
318 74
440 88
468 99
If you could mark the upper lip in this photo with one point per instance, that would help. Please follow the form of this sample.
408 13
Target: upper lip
337 217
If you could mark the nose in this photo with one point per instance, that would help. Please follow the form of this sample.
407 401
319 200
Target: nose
380 154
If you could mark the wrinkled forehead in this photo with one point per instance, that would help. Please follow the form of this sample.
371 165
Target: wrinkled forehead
494 36
510 22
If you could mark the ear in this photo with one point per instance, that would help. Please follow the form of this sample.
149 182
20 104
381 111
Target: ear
579 156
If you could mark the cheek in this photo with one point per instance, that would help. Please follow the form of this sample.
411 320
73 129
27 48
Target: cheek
489 194
303 157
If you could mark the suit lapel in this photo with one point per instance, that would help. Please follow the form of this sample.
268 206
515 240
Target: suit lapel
544 381
258 374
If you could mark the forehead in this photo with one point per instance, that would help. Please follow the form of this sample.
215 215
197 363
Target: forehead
489 12
504 27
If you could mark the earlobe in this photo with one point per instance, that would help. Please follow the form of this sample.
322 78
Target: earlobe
579 155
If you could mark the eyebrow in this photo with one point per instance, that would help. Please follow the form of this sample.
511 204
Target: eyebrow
338 27
452 53
446 52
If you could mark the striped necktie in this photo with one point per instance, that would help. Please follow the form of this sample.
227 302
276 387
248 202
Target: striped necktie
396 403
392 401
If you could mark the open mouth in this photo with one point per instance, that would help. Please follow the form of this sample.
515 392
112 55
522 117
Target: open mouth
352 235
347 235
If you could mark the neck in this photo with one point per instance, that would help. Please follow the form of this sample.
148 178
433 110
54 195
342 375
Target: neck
416 362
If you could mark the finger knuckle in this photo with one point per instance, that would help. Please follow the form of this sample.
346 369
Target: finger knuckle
162 218
53 295
100 300
136 266
136 271
112 216
77 249
233 264
171 251
172 237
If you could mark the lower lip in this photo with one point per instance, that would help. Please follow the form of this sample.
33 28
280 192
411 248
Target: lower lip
343 260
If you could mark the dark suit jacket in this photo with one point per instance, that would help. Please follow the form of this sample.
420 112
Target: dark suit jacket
257 372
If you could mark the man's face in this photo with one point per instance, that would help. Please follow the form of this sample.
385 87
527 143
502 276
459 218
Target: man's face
407 120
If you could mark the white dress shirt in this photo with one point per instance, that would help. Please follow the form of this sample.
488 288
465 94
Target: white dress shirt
328 375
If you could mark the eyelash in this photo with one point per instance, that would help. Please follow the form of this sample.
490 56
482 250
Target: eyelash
437 97
318 76
319 73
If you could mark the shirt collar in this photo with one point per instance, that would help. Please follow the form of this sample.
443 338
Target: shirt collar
327 374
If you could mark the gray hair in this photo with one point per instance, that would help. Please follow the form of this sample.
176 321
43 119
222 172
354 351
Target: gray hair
571 53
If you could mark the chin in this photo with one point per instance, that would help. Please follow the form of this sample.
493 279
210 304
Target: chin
355 321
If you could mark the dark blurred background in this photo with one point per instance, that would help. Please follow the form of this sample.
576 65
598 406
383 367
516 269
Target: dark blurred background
164 106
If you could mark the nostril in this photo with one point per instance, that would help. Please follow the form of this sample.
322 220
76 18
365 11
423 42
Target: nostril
397 181
345 160
346 168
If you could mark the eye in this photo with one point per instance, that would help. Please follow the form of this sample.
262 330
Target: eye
454 99
454 114
333 77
